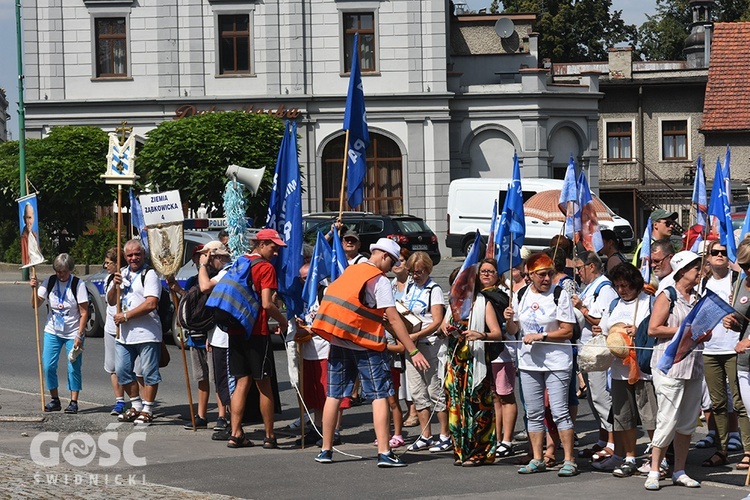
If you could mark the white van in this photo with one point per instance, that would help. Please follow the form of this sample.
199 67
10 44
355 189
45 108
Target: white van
470 208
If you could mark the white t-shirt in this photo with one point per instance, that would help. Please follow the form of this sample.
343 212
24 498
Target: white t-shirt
664 283
218 337
596 307
417 299
722 340
537 313
109 324
357 259
623 313
134 291
62 295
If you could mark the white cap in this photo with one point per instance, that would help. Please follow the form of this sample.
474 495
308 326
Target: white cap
388 246
681 260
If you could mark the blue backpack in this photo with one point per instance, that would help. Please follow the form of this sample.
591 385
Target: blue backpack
234 300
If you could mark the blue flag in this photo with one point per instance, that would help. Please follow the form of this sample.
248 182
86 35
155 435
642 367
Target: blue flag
745 224
355 121
704 316
590 234
700 199
569 201
511 232
462 290
646 253
320 269
136 219
719 208
339 261
285 216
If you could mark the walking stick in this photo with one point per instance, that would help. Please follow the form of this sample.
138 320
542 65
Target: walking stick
38 344
301 385
184 363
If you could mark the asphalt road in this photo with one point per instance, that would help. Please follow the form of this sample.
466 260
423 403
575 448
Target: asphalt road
182 458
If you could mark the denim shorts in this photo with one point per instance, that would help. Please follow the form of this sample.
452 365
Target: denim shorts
125 357
374 369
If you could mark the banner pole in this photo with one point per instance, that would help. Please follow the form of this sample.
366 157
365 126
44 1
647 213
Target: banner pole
119 251
343 174
38 343
298 347
184 363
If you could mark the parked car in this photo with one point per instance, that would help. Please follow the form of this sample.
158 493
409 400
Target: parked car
407 230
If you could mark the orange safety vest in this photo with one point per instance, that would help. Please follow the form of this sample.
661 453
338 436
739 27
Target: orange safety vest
343 315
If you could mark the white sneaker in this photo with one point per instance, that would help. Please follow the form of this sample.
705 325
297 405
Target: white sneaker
652 483
609 464
645 468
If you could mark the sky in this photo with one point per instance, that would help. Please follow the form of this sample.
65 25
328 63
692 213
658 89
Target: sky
634 12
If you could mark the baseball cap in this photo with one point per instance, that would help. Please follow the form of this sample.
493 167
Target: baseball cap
388 246
351 234
214 248
681 260
660 214
270 235
197 250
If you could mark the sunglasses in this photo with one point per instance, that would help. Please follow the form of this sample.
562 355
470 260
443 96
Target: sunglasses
106 263
667 222
351 240
544 274
716 252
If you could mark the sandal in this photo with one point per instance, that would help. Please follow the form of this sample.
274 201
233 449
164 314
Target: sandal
396 441
143 420
734 444
473 462
744 464
716 460
504 450
533 467
582 392
706 442
569 469
412 421
458 463
239 442
589 452
269 443
550 462
602 454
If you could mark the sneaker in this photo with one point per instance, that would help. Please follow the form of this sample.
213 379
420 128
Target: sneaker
389 460
53 405
221 424
325 457
420 444
442 445
645 468
685 480
627 469
296 424
521 436
72 407
308 439
200 423
652 483
118 408
336 439
609 464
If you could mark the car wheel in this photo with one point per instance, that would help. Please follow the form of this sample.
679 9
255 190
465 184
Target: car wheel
469 244
95 323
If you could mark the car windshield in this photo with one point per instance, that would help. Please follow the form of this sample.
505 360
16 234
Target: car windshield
412 226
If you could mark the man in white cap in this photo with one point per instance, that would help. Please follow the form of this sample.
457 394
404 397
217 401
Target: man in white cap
358 346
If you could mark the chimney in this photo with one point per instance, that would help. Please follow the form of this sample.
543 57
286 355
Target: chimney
707 44
620 62
534 48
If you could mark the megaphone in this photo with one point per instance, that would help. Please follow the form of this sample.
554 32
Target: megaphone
249 177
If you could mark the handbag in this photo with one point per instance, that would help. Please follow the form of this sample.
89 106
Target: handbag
163 356
594 355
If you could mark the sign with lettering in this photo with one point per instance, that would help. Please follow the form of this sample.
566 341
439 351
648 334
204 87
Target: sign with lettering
188 110
161 208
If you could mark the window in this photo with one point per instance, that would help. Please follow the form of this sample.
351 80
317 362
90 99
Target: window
234 44
383 184
111 47
674 140
619 140
364 24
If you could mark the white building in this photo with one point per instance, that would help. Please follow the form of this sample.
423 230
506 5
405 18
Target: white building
446 96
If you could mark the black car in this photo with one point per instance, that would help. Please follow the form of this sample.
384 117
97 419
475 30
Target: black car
406 230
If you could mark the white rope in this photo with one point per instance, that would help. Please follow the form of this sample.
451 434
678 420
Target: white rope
547 342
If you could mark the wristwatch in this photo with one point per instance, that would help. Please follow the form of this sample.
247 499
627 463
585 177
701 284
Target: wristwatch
544 335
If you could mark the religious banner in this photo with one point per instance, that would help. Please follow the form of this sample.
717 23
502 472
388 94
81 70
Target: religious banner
31 255
121 159
163 216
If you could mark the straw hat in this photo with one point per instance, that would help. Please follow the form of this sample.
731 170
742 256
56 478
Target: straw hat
616 341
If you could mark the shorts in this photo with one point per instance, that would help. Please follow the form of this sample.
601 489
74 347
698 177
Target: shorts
201 364
250 357
316 379
373 367
624 407
504 375
222 379
109 356
148 352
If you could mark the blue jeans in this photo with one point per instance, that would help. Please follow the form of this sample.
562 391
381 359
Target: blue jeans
125 355
50 357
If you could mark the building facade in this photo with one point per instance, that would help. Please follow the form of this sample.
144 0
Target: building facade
447 96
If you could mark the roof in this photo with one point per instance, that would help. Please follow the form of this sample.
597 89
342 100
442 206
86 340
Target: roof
727 103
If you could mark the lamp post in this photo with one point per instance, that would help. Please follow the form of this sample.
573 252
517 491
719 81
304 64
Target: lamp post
21 114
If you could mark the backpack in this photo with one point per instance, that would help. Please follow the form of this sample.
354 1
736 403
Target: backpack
556 297
234 301
500 301
643 339
73 285
192 313
429 296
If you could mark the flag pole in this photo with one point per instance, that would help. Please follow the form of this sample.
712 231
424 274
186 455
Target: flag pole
38 344
184 363
343 175
300 401
119 251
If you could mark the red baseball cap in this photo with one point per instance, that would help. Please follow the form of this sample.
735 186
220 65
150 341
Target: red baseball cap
269 234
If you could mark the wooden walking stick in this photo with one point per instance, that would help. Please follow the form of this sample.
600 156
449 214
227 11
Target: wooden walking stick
38 342
184 362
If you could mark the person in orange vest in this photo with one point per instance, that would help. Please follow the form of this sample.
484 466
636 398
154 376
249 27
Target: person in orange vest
350 317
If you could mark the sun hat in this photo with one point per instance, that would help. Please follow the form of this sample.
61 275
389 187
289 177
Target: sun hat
617 341
197 249
388 246
214 248
269 234
681 260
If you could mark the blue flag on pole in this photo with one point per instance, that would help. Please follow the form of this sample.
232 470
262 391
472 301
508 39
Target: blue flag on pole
355 121
646 253
339 261
569 201
285 216
704 316
136 219
320 269
591 235
511 232
719 208
700 200
462 290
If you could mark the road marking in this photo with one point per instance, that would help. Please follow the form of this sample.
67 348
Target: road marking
16 391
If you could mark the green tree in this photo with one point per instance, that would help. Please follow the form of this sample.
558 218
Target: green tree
575 30
192 155
65 168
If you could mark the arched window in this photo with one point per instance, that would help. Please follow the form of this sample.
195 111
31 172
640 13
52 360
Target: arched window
383 183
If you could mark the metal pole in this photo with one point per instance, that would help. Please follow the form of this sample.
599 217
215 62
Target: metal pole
21 114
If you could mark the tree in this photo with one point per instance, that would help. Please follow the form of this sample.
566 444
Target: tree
575 30
65 168
192 155
662 36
